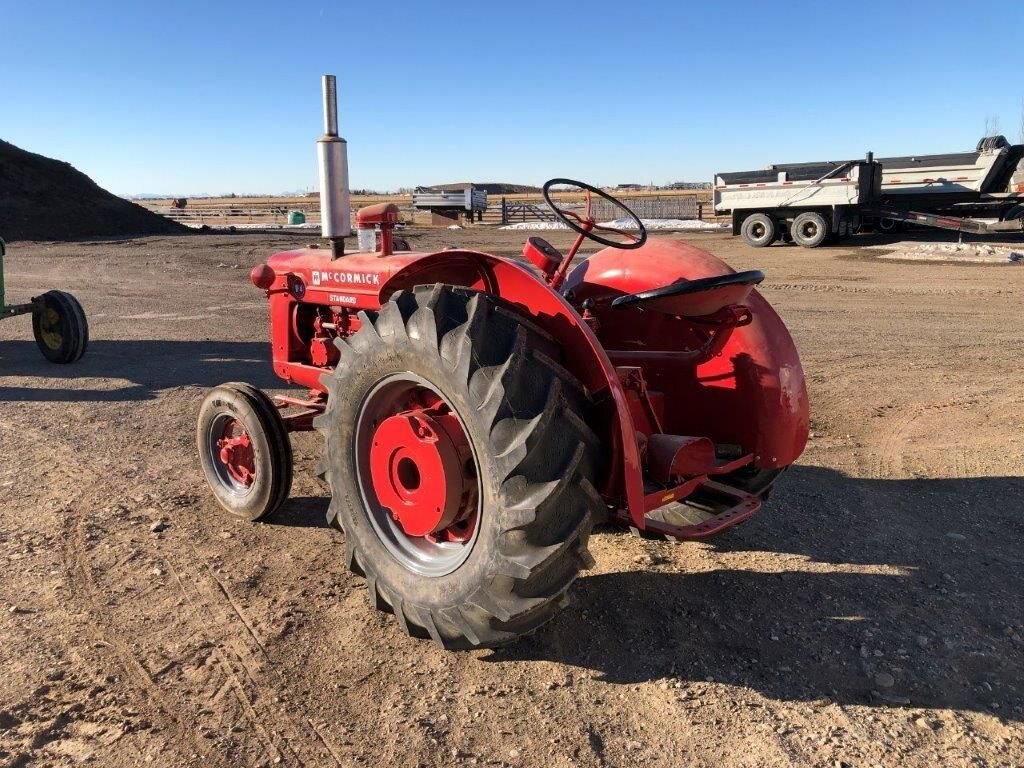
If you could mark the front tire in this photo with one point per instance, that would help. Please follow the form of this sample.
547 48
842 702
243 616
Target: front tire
60 328
500 564
759 230
244 450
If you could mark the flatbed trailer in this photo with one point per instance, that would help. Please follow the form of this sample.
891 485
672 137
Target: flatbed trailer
981 192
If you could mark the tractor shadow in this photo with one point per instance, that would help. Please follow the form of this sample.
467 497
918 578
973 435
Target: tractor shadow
132 370
301 512
840 583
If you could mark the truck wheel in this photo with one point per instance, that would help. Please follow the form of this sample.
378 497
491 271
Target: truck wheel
244 450
888 226
60 327
809 229
758 230
461 467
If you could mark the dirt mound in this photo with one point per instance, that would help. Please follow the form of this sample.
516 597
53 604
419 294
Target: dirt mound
46 199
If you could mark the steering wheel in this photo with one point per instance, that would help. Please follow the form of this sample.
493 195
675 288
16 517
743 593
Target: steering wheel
585 225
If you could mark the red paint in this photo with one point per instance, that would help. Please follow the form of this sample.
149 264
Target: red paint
746 389
262 276
717 366
417 471
378 215
542 255
236 453
383 215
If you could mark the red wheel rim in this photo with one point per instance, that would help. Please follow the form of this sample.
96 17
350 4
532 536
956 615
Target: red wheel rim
234 452
417 473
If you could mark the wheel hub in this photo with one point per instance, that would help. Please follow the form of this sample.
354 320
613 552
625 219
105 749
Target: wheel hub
234 449
50 328
419 466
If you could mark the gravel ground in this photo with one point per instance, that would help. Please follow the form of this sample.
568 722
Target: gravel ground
871 615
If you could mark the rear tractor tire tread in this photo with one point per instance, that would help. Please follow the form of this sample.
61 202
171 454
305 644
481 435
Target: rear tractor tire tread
537 460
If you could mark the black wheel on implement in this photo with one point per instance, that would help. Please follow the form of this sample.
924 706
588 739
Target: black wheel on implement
759 230
460 467
244 450
60 328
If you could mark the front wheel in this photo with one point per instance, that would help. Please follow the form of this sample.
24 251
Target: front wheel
460 467
60 328
759 230
244 450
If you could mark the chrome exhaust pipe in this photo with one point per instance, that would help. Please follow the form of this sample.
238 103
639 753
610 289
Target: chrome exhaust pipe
332 160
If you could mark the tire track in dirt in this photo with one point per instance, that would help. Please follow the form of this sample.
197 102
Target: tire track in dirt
888 460
880 290
242 658
239 656
81 574
71 522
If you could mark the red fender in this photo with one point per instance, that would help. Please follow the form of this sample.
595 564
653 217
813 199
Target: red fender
752 394
585 357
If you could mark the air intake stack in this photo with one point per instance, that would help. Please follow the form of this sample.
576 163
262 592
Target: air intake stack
332 158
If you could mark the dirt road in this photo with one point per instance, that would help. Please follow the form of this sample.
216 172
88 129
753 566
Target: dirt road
872 615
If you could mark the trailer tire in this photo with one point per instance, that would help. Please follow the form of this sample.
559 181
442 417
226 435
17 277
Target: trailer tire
810 229
60 328
759 230
233 411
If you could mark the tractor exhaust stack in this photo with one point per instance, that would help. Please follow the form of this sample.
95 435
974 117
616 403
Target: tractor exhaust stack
332 159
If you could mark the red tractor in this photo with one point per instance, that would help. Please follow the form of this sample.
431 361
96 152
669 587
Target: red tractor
482 414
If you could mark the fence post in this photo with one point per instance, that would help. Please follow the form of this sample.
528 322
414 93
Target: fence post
504 210
700 211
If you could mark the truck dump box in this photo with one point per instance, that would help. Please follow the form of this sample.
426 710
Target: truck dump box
956 190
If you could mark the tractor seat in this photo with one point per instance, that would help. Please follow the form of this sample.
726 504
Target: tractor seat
694 298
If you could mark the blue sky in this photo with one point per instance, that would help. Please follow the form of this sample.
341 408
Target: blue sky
186 97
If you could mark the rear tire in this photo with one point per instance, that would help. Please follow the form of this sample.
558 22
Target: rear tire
60 328
759 230
257 478
810 229
534 456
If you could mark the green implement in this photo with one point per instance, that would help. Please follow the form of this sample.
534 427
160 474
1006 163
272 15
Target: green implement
58 321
